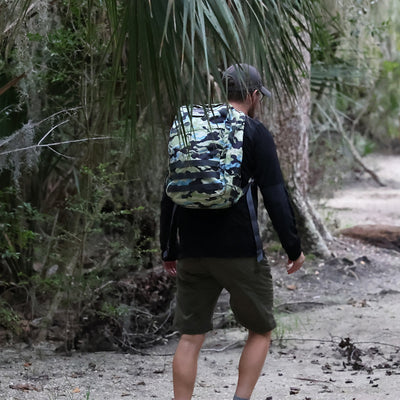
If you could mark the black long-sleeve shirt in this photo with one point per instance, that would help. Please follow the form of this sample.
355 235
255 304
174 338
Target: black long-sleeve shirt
228 232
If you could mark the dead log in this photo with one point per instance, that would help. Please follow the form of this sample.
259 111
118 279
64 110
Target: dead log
386 236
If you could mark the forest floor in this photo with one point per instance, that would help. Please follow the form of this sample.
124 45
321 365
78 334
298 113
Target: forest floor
338 334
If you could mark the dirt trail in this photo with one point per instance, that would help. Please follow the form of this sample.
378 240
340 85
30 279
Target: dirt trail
363 201
338 334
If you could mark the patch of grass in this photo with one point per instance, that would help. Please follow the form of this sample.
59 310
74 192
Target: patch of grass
274 247
311 257
285 325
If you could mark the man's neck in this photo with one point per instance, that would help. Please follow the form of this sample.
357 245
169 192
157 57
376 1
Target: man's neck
240 106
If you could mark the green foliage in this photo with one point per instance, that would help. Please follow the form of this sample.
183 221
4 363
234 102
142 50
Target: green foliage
100 241
346 56
65 48
355 77
113 311
17 237
9 319
383 121
96 206
364 144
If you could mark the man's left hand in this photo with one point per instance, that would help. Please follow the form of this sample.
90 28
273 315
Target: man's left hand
293 266
170 267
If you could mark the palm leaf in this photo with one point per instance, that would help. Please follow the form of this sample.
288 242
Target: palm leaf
176 47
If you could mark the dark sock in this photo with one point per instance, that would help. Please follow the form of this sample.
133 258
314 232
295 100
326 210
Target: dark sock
238 398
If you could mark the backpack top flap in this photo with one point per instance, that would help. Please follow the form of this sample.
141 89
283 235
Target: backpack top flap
205 152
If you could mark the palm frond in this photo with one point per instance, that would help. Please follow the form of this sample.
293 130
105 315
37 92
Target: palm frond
177 47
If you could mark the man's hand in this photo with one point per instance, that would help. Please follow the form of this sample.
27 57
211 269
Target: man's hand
293 266
170 267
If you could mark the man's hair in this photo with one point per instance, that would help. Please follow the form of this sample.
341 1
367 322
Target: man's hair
240 80
232 92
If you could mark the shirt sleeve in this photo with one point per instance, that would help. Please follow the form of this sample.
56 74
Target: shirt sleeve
268 176
168 230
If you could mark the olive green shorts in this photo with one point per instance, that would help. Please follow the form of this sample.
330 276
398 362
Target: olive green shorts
200 282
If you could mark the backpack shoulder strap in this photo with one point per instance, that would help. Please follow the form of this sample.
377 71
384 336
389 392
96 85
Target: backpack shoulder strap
166 252
253 218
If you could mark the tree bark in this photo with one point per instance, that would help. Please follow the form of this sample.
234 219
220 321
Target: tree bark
289 121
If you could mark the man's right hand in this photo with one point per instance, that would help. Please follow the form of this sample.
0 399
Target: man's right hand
170 267
293 266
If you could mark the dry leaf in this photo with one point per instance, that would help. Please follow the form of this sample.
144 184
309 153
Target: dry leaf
294 390
76 390
291 287
26 387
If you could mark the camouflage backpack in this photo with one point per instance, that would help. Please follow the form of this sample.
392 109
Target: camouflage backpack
205 157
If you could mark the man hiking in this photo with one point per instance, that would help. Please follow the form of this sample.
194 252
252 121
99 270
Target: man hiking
209 246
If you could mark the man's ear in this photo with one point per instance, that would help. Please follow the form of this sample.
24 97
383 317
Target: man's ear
253 96
249 98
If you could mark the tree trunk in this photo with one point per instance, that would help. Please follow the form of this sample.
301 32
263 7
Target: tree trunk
289 121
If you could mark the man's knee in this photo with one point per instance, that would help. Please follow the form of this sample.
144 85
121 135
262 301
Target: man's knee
193 340
255 335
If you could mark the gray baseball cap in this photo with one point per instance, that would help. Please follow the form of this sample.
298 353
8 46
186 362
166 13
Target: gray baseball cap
244 78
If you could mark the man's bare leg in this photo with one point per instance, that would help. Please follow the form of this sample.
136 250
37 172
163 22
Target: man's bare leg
251 362
185 365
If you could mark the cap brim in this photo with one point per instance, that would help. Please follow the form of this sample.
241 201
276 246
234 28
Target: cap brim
265 91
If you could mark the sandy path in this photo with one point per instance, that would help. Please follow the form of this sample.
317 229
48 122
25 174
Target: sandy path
363 201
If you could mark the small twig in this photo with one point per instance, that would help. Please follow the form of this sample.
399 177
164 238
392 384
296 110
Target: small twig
361 113
60 154
55 144
168 315
313 380
51 130
10 245
350 271
100 288
143 312
50 241
67 111
234 344
171 334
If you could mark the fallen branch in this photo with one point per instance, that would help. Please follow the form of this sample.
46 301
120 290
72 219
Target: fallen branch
339 128
357 157
49 145
313 380
12 83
